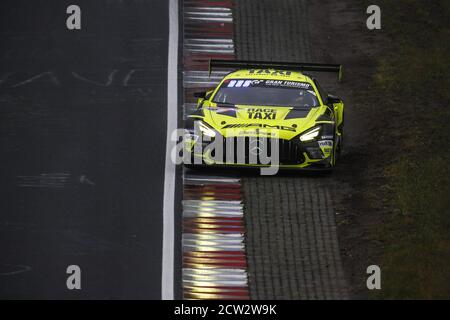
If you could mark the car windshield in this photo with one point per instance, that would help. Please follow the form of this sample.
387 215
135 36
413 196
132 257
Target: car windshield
266 93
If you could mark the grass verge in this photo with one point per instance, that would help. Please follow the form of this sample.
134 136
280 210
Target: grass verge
413 84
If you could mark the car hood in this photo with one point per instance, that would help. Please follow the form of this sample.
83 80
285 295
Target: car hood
238 120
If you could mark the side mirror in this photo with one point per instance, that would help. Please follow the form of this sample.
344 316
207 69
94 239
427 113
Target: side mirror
332 99
200 95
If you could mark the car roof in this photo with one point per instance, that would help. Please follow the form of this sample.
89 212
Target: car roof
269 74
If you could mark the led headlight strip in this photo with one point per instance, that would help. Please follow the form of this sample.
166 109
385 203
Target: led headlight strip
310 134
206 130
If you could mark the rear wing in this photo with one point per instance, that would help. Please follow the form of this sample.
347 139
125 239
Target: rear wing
288 66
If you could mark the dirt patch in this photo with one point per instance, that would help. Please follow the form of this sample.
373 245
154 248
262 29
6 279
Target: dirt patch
340 36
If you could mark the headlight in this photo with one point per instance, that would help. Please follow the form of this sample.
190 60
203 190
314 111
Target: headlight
310 135
207 131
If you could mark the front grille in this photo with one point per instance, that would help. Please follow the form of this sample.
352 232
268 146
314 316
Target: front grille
289 151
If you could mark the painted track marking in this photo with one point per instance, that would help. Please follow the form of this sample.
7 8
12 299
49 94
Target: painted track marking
167 272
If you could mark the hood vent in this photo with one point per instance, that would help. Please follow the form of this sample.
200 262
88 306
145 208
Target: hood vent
297 113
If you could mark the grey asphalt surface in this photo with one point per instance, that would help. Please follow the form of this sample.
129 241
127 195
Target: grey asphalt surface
82 125
291 239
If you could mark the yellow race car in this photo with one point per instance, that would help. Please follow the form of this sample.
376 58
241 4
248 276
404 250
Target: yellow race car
266 113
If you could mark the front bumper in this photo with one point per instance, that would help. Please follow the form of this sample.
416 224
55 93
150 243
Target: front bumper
314 155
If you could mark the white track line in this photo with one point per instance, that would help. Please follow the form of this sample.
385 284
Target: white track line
167 273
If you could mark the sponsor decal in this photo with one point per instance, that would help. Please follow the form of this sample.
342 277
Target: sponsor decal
287 84
326 146
256 82
256 132
259 125
244 83
239 83
261 113
271 72
326 143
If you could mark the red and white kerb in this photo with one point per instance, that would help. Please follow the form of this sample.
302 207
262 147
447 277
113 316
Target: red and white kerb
214 259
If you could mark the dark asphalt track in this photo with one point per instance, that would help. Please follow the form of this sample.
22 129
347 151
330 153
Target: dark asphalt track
82 148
